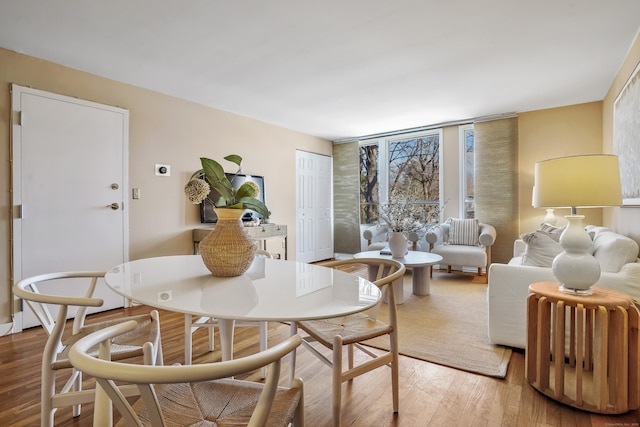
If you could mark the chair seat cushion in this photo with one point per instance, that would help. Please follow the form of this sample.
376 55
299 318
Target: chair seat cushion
470 256
218 403
352 328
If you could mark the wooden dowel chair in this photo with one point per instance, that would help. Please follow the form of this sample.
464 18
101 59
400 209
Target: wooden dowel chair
350 331
200 394
55 356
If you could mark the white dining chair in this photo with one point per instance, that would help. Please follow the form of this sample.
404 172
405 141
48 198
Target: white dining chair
55 354
352 330
200 394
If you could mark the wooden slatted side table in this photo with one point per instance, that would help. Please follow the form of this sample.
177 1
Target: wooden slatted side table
582 350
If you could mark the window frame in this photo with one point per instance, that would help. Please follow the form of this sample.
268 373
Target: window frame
383 162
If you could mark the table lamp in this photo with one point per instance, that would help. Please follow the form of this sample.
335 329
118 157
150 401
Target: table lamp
588 181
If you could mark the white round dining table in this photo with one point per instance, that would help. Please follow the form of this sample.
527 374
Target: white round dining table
271 290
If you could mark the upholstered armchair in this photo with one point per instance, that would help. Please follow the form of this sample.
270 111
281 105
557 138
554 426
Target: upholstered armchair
462 243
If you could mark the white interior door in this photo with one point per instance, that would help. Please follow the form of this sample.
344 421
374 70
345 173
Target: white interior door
70 186
314 219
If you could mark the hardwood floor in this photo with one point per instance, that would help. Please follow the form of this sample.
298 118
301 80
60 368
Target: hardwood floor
430 395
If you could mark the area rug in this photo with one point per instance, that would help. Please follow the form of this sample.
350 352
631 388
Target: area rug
449 326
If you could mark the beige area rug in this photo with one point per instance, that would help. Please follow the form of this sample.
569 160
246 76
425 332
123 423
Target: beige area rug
449 326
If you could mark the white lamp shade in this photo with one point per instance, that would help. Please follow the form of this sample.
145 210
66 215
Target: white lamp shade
577 181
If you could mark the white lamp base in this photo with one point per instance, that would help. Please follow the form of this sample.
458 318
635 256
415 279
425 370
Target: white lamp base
576 268
550 218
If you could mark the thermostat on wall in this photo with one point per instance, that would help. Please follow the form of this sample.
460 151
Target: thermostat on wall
163 170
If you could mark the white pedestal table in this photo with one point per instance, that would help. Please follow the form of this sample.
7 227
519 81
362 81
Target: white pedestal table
418 262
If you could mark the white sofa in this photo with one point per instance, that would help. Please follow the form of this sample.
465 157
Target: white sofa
508 286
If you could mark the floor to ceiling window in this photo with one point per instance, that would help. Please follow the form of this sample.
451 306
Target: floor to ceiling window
404 169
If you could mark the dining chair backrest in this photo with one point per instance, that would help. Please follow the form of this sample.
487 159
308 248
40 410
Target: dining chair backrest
380 271
148 379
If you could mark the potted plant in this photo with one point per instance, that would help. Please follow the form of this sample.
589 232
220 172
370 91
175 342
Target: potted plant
212 175
227 250
402 218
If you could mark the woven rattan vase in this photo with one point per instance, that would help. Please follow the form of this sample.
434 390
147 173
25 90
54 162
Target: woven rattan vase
228 250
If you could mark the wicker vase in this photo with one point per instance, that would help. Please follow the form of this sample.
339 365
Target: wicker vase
228 250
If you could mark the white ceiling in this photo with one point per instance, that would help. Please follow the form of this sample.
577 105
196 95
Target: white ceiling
339 68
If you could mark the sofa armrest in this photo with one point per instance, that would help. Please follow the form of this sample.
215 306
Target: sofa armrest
487 235
507 293
508 289
375 233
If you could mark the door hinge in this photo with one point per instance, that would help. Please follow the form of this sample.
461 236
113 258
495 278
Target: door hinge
20 118
18 212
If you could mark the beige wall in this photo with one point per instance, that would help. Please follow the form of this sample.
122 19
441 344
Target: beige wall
165 130
555 132
625 220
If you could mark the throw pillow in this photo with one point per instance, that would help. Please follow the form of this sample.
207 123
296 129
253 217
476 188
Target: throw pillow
464 232
541 249
551 230
613 250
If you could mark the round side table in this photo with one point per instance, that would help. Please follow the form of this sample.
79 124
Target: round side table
582 350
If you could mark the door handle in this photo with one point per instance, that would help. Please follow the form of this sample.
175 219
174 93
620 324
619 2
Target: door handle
114 206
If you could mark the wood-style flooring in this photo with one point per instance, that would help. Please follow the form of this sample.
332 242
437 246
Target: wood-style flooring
430 395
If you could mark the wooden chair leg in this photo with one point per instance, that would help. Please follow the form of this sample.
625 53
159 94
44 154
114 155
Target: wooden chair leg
337 381
480 271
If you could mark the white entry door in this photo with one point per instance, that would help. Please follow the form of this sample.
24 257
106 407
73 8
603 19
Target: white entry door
69 188
314 207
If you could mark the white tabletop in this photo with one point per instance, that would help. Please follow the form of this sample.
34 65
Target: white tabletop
411 259
271 290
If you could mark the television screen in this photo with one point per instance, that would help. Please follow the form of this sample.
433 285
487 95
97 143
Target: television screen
207 215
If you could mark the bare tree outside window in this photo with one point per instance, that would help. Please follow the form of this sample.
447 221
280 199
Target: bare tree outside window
413 175
369 187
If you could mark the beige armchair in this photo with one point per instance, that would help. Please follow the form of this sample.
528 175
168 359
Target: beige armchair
462 243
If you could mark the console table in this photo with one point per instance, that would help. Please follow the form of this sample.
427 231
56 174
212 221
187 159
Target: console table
260 233
582 350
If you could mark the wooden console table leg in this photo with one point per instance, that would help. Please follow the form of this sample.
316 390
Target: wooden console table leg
634 358
600 343
580 319
558 350
544 343
532 338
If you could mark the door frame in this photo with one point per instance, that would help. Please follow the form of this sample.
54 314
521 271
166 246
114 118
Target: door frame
16 185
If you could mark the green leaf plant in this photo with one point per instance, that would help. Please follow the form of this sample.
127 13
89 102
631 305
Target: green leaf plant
212 175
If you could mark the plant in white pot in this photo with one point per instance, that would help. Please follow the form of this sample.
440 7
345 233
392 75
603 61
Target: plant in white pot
227 250
403 218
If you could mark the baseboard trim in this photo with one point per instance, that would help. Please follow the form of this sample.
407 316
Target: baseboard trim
6 329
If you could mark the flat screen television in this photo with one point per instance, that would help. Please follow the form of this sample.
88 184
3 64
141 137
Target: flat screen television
207 215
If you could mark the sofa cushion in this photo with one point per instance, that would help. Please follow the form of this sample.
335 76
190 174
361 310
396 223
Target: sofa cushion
551 230
464 231
613 250
541 249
